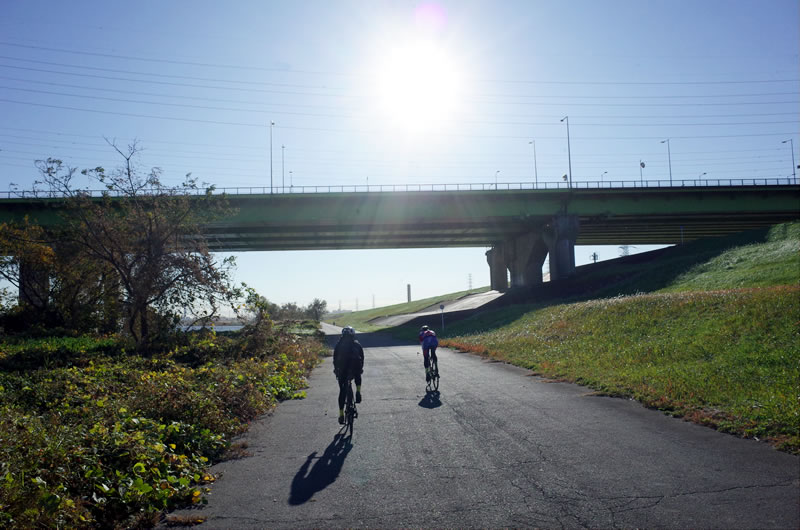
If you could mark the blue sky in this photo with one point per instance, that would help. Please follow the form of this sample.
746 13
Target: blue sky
395 93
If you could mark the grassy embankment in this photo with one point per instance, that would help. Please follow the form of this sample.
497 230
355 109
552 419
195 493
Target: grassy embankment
91 436
709 330
717 341
361 320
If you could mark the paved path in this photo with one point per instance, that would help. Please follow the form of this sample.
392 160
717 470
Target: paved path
496 448
470 301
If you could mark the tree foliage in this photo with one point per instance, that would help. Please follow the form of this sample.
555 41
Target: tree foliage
145 238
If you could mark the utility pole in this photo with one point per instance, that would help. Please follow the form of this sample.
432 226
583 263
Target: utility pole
669 159
271 125
569 151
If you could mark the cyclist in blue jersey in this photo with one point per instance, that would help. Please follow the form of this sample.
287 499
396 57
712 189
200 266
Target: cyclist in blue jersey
427 337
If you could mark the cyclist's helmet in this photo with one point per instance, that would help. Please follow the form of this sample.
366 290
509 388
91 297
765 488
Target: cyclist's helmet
348 331
424 328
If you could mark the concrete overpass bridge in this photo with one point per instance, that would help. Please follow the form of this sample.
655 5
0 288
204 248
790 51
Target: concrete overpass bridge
520 223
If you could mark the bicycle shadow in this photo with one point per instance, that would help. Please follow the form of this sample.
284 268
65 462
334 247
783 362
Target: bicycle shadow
323 473
431 400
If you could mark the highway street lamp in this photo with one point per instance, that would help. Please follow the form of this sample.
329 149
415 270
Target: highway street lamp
641 177
271 125
569 153
669 158
495 178
535 171
290 179
700 176
601 176
283 167
791 146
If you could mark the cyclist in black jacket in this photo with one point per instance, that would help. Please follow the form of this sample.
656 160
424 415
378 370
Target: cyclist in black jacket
348 362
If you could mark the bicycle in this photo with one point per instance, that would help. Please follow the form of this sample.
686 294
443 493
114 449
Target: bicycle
433 384
350 411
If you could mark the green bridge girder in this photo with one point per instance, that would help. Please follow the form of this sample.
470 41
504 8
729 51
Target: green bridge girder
363 220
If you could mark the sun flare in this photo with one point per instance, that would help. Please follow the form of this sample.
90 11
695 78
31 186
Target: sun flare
417 86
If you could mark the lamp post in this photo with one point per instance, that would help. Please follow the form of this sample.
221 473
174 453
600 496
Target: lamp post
535 171
641 178
601 176
271 125
495 178
669 159
283 168
290 179
791 146
569 152
700 176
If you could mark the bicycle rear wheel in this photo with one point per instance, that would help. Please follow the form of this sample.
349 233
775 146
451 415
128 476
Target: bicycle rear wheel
350 408
435 375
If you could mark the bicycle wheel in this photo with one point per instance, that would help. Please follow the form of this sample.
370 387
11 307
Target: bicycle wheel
350 408
435 375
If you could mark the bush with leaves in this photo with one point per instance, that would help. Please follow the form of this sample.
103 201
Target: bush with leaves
92 436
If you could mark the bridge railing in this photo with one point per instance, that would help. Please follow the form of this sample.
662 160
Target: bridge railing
499 186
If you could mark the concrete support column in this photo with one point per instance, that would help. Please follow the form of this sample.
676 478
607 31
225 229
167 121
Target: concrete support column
560 235
525 256
498 277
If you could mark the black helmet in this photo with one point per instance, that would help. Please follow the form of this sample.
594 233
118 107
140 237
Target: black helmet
348 330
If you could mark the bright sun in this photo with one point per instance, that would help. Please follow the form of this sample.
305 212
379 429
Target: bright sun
417 86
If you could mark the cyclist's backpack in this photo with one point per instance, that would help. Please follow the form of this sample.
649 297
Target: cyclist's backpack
429 339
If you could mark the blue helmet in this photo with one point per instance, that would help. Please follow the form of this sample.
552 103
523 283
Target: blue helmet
348 331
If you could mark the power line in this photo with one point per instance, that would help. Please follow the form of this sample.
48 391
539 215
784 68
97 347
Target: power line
319 72
263 111
224 100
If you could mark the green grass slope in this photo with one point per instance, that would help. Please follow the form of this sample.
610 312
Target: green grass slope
716 340
758 258
360 320
774 261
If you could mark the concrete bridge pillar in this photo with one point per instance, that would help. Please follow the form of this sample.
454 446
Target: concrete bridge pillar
525 256
560 235
498 277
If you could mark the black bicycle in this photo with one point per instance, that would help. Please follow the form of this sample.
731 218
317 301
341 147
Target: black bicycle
350 411
433 382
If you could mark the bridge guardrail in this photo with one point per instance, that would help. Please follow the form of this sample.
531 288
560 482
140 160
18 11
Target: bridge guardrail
500 186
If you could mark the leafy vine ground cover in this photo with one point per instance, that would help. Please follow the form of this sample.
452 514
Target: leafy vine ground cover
93 437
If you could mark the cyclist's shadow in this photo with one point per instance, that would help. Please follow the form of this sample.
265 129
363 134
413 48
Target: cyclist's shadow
431 400
324 472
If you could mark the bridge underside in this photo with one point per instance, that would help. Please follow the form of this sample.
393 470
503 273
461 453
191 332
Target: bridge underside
520 227
594 230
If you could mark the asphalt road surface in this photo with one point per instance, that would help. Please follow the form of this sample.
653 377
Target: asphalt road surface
496 447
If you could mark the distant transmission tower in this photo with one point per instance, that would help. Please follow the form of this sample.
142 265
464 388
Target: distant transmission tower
469 281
